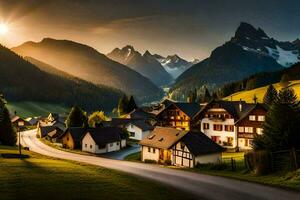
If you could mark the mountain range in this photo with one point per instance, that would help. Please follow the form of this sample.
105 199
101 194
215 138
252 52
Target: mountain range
21 80
144 64
248 52
84 62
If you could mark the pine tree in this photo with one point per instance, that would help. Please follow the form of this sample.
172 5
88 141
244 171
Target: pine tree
270 95
207 96
282 124
77 118
7 133
123 104
192 96
131 105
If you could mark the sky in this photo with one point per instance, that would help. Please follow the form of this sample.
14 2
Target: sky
189 28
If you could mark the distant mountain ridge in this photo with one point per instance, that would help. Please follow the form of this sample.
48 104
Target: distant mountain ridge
250 51
145 64
85 62
20 80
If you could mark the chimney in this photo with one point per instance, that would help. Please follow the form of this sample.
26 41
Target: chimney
240 105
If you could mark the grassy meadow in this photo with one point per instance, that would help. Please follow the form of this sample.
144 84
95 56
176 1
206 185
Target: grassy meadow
30 109
41 177
260 92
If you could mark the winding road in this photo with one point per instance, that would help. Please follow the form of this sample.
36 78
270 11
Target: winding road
199 185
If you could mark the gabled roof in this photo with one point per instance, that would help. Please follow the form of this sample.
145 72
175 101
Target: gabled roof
163 137
116 122
76 132
142 124
139 113
46 129
103 136
190 109
199 144
254 106
15 118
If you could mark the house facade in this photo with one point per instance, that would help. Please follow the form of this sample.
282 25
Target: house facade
178 115
71 138
138 130
225 122
180 147
103 140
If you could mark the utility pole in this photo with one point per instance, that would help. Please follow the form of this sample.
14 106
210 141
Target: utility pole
20 124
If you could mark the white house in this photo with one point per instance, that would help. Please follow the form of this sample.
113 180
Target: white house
138 130
103 140
180 147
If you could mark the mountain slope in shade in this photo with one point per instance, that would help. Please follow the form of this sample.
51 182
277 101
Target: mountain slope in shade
250 51
144 64
85 62
20 80
174 64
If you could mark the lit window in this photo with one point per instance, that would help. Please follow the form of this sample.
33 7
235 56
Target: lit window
252 117
248 129
261 118
241 129
205 126
218 127
259 131
229 128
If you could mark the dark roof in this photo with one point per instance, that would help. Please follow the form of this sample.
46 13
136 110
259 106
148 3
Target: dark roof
55 133
199 144
103 136
142 124
117 122
46 129
139 113
191 109
232 107
251 108
76 132
167 102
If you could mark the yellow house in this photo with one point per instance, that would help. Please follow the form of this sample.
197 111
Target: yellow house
71 139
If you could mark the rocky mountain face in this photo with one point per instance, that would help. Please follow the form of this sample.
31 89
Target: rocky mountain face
85 62
249 51
145 64
174 65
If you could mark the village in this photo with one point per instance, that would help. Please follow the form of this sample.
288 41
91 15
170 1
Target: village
172 133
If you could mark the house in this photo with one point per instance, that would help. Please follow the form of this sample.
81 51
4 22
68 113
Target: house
157 146
54 135
71 138
180 147
140 113
103 140
138 129
43 131
33 121
249 125
178 115
16 120
218 121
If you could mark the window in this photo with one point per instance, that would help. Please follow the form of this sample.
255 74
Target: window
241 129
117 143
261 118
246 143
205 126
149 149
153 150
229 141
85 145
259 131
111 144
248 129
252 117
217 127
67 138
132 134
229 128
215 139
91 146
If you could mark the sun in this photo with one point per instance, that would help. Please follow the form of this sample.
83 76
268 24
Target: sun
3 28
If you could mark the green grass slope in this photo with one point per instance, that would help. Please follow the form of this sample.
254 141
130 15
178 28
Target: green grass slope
40 177
33 109
260 92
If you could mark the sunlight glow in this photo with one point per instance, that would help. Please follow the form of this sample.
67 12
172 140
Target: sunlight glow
3 29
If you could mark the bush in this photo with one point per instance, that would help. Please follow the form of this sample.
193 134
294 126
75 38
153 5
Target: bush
212 166
150 161
258 162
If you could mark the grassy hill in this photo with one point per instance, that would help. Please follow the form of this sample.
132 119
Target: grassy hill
41 177
260 92
31 109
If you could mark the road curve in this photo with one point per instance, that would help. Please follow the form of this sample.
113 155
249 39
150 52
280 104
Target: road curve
199 185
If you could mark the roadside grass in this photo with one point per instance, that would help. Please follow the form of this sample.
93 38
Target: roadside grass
134 157
29 109
41 177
